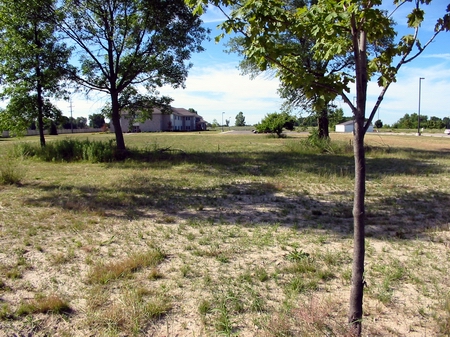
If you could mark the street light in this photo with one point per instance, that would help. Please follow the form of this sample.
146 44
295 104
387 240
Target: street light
222 120
418 118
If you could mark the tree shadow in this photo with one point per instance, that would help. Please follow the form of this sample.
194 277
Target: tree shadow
254 201
277 164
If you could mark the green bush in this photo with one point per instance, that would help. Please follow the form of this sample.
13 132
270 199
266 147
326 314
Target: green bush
274 123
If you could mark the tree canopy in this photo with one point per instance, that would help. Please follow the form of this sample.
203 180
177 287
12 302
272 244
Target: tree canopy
240 119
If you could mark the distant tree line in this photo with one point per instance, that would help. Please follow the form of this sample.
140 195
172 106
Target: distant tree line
412 122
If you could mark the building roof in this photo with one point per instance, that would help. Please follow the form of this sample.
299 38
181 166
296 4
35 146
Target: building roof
351 122
347 123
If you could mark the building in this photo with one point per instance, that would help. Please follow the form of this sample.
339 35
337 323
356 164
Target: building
178 120
348 127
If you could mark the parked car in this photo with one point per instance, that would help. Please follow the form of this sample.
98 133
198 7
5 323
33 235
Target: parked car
447 131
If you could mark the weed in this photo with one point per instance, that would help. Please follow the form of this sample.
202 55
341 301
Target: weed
204 307
223 322
296 255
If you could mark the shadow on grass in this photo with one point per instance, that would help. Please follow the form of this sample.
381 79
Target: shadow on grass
143 196
278 164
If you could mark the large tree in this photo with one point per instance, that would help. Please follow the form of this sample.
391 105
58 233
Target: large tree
127 46
340 28
33 64
240 119
288 54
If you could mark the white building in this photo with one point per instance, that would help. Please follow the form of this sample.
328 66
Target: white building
348 127
178 120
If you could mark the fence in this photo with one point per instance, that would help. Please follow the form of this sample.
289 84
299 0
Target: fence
60 131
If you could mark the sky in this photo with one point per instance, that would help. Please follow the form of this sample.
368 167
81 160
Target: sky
216 89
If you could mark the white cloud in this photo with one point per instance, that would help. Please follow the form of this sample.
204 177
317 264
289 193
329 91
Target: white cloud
402 97
212 90
218 89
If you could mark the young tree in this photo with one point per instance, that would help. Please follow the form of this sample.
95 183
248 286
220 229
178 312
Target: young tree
130 45
240 119
339 29
32 63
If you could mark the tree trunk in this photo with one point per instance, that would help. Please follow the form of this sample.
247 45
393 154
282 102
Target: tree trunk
40 111
40 101
357 288
115 118
322 122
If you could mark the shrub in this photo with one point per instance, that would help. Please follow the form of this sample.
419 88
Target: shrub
314 145
11 172
274 123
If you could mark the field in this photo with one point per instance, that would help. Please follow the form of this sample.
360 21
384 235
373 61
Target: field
224 234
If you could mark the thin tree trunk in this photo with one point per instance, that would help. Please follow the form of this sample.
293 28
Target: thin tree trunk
357 288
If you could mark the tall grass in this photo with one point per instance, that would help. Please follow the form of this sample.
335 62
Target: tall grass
67 150
11 171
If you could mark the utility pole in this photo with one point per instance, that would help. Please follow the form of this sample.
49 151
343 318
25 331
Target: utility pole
71 118
418 118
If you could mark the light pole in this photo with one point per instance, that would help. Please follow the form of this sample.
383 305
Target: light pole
222 119
418 118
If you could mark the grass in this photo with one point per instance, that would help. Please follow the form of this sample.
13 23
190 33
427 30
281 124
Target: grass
228 235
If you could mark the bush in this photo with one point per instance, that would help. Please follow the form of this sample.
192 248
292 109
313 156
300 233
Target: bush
275 123
11 172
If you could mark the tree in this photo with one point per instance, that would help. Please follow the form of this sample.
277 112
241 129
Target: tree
435 123
127 46
287 54
215 123
275 123
96 121
33 63
378 124
339 29
240 119
81 122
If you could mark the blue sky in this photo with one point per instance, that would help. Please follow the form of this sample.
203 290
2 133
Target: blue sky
216 89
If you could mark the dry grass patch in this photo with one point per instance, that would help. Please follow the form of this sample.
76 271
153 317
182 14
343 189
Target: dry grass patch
104 272
52 304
